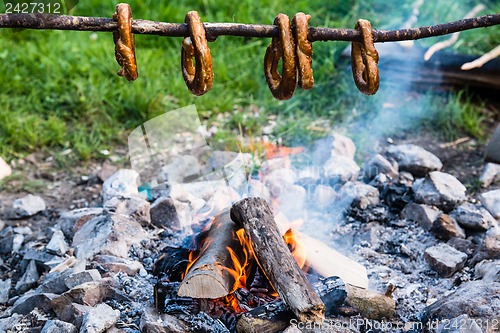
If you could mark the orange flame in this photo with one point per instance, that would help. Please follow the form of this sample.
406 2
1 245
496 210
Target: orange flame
273 150
299 252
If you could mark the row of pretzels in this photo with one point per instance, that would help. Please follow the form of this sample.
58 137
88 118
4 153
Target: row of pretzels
291 46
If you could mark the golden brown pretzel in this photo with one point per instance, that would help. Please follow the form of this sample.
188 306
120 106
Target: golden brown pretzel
198 79
364 58
282 86
304 50
124 42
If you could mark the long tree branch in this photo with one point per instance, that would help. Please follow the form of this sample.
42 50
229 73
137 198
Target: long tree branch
213 30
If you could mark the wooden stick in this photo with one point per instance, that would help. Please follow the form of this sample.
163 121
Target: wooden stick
276 261
327 262
275 316
210 276
479 62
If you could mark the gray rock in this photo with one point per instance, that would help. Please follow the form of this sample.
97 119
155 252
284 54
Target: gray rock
490 247
134 207
116 265
30 300
292 200
42 258
415 159
444 259
491 201
4 290
164 214
223 197
477 299
490 174
473 217
5 169
219 159
57 326
488 270
341 169
72 313
463 245
121 184
182 169
153 321
323 196
27 206
445 227
78 278
257 188
76 218
29 278
406 178
308 175
106 171
108 234
336 144
2 225
460 324
379 164
53 282
279 179
441 190
57 244
359 194
99 319
424 215
9 322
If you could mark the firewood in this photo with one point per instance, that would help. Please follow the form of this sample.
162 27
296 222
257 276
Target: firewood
275 316
327 262
210 276
275 259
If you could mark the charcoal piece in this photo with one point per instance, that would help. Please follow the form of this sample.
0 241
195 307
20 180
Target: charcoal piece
172 263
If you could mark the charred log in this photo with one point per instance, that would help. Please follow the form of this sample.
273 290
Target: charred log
275 259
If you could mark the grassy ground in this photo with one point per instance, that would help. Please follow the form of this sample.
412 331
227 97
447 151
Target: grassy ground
59 89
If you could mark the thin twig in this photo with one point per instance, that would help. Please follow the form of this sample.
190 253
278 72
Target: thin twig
82 23
482 60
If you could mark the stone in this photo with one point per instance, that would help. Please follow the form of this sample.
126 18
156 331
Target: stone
9 322
5 169
164 214
445 259
30 300
270 165
341 169
70 222
73 313
107 234
53 282
488 270
42 258
223 197
490 174
477 299
133 207
473 217
491 201
2 225
106 171
337 144
154 322
406 178
424 215
490 247
279 179
463 245
309 175
379 164
445 227
292 200
122 183
4 290
75 279
257 188
99 319
57 326
182 169
359 194
57 244
114 264
441 190
27 206
460 324
323 196
29 278
415 159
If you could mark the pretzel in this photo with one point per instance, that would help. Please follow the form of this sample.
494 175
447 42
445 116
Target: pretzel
199 77
282 86
304 50
124 42
364 58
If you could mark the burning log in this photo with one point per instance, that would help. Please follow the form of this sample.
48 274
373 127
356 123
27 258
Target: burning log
213 274
327 262
276 261
275 316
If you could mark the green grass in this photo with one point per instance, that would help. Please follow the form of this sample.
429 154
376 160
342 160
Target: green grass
59 89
